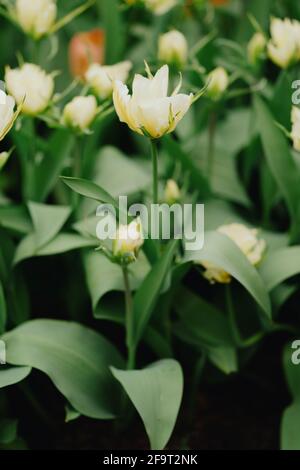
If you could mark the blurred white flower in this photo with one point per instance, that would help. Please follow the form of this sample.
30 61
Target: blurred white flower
31 86
256 47
217 83
36 17
149 111
173 48
159 7
284 45
100 77
128 241
295 134
80 112
246 239
7 114
172 192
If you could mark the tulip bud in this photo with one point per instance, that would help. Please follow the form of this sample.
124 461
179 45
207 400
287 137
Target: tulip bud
172 192
295 134
85 49
159 7
284 45
256 48
36 17
217 83
7 114
80 112
31 86
173 48
128 241
247 241
100 78
149 111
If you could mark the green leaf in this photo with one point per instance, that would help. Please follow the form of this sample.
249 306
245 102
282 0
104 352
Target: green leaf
71 413
290 424
156 393
203 322
63 243
148 293
103 276
89 189
15 218
47 221
224 358
280 265
224 253
280 160
13 375
75 358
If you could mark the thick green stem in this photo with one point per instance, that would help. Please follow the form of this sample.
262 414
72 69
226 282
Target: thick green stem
129 320
154 153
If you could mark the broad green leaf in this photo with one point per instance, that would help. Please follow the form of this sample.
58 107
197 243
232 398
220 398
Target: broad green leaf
47 221
15 218
118 174
224 358
280 161
280 265
148 293
103 276
75 358
156 392
3 313
89 189
224 253
203 322
63 243
13 375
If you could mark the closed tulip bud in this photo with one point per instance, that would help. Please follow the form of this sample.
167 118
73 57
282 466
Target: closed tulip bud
159 7
36 17
217 83
247 241
101 78
172 192
173 48
31 86
256 48
7 114
80 112
85 49
149 111
295 134
128 241
284 45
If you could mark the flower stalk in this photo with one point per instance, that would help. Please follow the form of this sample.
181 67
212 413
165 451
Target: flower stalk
129 319
154 153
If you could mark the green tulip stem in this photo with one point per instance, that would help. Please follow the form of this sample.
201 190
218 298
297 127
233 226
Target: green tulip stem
154 153
129 319
211 144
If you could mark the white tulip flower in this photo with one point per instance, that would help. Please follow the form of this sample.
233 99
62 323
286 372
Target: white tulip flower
80 112
36 17
31 86
217 83
247 241
284 46
7 114
295 134
173 48
128 241
100 78
150 111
